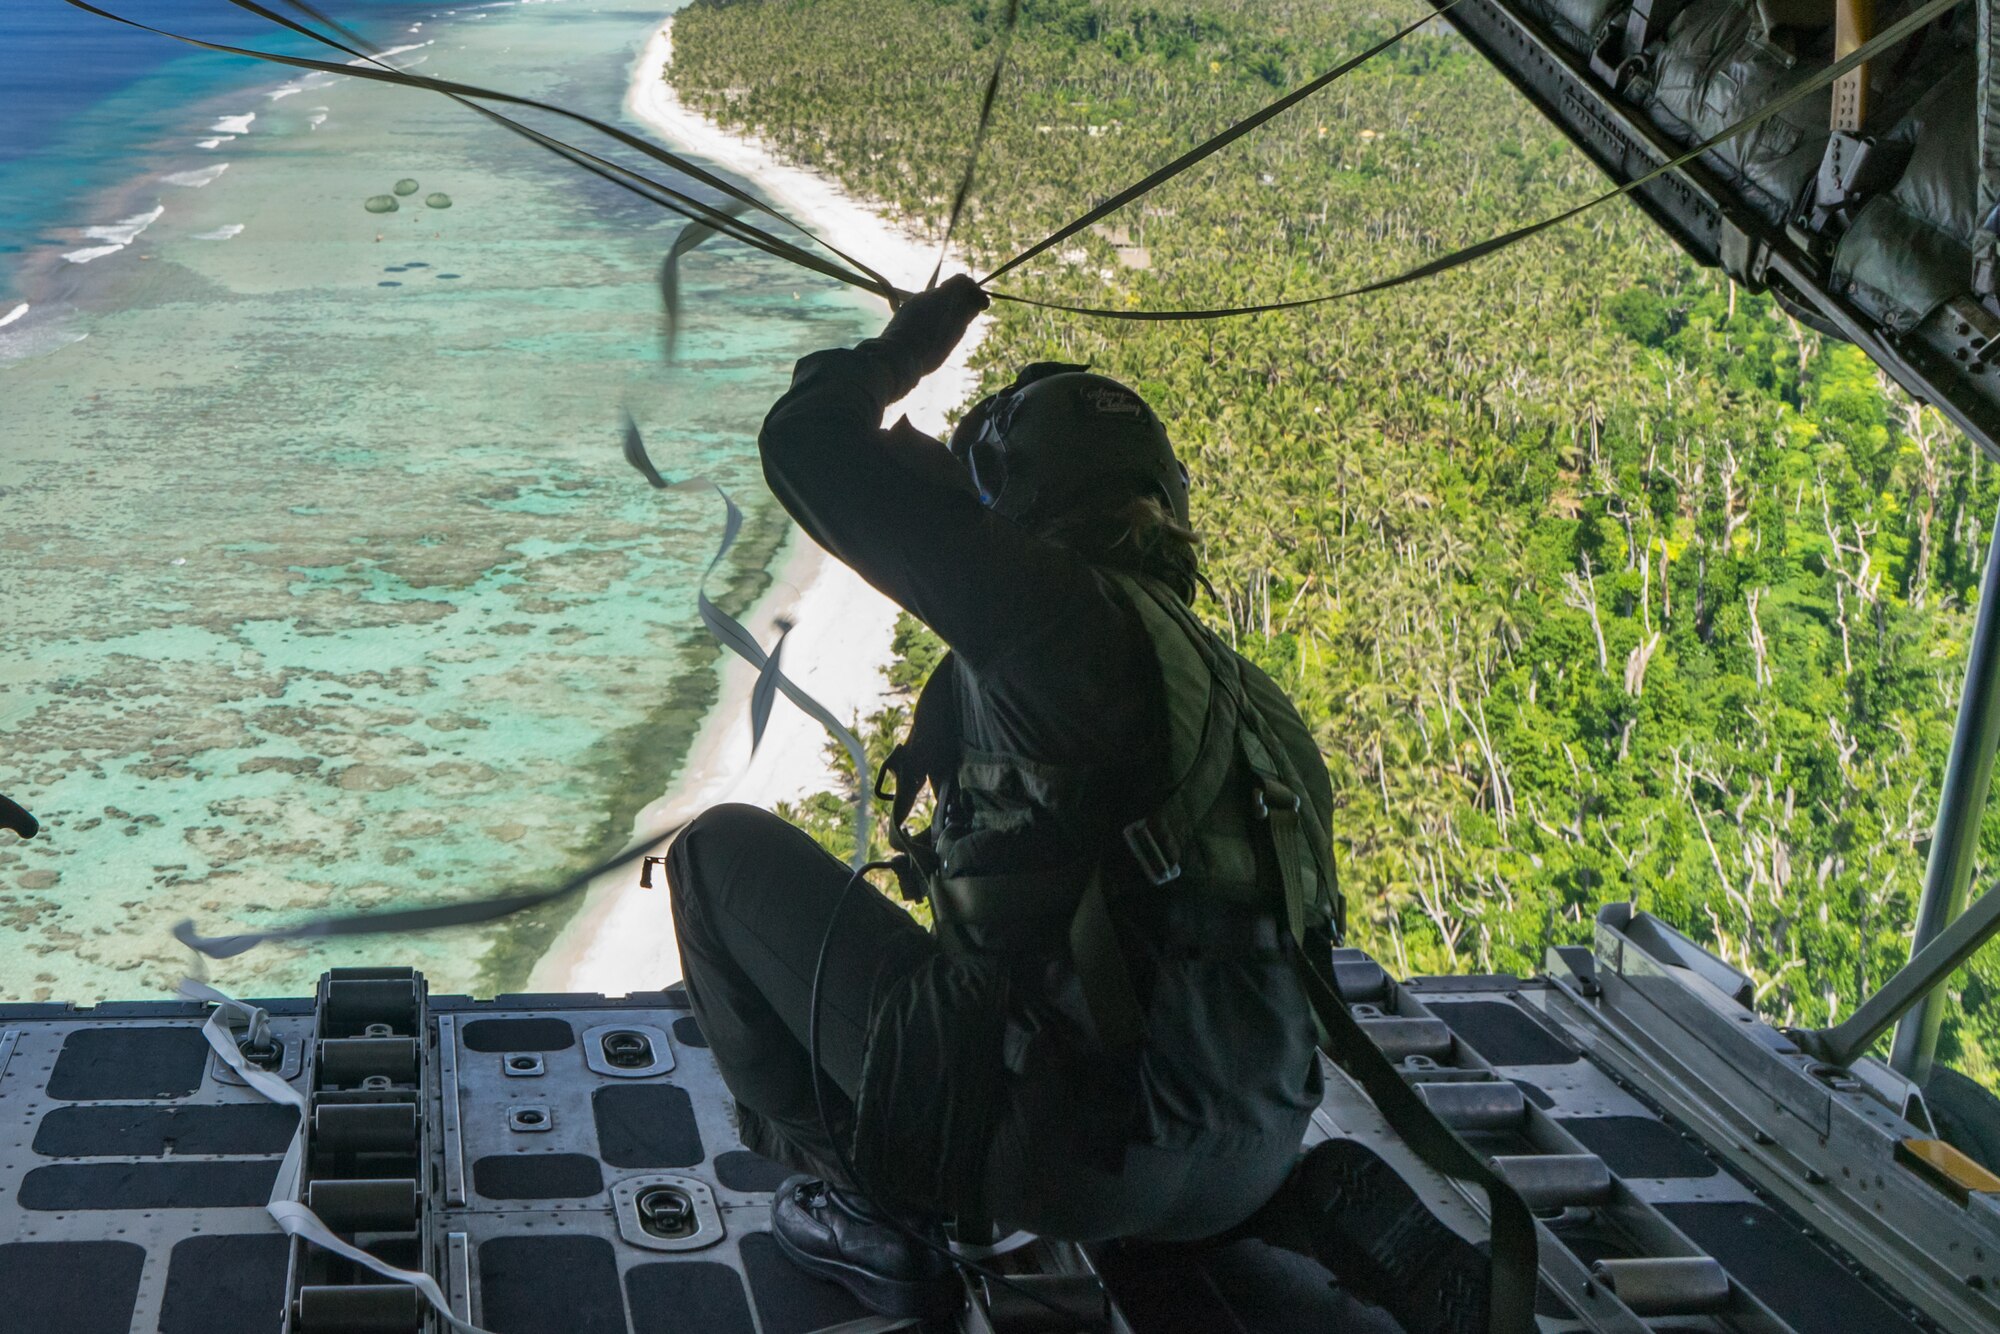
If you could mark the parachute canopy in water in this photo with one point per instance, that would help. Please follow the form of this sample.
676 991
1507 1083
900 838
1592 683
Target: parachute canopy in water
406 186
437 199
381 204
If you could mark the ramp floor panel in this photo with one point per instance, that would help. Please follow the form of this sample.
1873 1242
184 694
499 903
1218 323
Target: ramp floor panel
131 1189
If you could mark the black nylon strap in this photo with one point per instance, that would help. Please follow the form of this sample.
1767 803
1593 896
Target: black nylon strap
582 158
861 276
1515 1271
965 182
469 913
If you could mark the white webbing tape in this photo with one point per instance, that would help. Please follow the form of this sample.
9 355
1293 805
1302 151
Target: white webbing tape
285 1208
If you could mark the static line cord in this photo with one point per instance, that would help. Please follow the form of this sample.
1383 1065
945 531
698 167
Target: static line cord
819 1082
862 276
965 182
1909 25
1160 176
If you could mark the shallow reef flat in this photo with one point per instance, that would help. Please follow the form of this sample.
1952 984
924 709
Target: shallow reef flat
329 588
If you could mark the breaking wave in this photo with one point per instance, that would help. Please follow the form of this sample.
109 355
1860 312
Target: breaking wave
35 341
116 236
194 180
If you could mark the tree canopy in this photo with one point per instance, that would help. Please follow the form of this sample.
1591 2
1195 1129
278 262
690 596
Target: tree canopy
1597 576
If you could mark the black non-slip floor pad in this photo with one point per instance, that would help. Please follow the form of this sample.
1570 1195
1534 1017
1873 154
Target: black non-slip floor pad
740 1169
688 1032
1804 1284
1501 1033
550 1285
519 1035
69 1287
1247 1287
152 1130
63 1187
685 1296
789 1300
1637 1146
226 1285
645 1125
537 1176
98 1064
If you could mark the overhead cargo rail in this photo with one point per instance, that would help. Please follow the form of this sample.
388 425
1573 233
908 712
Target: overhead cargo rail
1865 209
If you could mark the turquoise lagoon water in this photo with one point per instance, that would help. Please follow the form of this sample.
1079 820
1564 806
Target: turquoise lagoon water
327 586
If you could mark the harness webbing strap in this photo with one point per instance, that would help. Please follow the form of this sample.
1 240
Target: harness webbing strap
1282 813
1514 1273
1101 971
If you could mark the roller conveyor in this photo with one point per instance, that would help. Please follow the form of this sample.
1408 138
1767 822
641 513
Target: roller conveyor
566 1164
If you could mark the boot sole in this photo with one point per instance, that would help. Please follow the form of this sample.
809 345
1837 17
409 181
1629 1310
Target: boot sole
900 1298
1380 1239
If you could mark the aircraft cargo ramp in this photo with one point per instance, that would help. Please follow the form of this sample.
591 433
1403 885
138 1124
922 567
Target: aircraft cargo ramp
566 1164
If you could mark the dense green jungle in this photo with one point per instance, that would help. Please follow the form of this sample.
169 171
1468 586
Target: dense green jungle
1597 576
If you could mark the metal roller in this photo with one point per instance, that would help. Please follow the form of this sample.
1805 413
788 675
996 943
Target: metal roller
359 1308
1493 1104
1360 980
353 1003
346 1062
1667 1285
1401 1039
1557 1180
365 1127
368 1204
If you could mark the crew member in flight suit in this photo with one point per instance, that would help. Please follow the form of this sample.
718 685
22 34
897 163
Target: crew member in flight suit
1105 1035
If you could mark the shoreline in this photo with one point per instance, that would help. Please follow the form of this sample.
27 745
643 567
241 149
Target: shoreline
622 939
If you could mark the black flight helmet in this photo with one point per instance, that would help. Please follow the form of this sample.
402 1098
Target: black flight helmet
1058 436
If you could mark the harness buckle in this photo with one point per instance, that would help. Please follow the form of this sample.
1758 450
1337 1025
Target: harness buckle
1154 863
886 771
1265 793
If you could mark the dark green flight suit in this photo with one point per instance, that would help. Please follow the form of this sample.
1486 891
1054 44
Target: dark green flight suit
1106 1035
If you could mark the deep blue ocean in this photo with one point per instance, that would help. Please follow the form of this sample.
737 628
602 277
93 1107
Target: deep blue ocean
81 96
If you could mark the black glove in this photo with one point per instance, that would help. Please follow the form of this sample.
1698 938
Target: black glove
930 324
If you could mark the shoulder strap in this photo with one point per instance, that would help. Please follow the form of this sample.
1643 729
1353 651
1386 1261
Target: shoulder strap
925 757
1204 722
1234 724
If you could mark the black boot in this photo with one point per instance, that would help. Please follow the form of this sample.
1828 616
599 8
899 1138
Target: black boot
837 1235
1346 1208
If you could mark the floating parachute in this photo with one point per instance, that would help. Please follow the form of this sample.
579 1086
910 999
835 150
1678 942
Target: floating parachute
437 199
381 204
406 186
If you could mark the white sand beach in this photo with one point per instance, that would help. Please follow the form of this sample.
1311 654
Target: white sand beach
623 940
